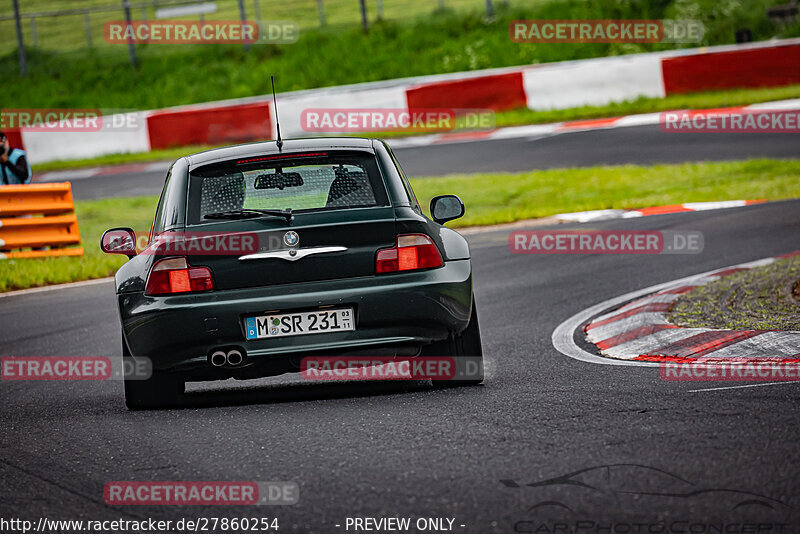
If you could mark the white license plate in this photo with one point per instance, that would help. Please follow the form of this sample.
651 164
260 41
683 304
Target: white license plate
300 324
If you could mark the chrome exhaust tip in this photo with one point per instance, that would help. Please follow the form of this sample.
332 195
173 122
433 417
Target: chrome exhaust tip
218 359
234 358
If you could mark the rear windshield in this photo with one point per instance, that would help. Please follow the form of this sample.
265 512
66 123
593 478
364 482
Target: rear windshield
303 182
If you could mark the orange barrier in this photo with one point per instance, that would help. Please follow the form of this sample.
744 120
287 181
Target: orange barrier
36 216
45 199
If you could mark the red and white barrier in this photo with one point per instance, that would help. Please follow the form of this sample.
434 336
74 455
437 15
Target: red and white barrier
209 125
498 92
771 65
291 105
560 85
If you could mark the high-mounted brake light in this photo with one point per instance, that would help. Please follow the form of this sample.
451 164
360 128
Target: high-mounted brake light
282 156
411 251
173 275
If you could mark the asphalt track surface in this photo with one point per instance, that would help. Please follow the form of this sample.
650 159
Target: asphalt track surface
681 456
632 145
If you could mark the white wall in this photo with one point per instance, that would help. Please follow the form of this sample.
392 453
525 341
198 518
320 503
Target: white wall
593 82
131 137
290 106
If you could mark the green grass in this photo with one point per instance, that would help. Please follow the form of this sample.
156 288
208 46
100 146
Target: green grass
166 154
490 198
446 41
507 118
94 217
68 32
506 197
761 298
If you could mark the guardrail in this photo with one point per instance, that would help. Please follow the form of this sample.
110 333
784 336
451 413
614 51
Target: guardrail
40 220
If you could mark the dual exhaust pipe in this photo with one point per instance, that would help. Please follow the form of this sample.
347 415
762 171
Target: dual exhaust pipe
233 357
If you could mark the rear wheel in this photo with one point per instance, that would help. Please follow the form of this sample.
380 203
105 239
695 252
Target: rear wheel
161 390
467 350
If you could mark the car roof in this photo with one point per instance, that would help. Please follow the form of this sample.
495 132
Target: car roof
267 148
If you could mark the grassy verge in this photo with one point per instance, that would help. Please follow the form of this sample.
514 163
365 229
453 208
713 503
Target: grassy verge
518 117
506 197
760 298
166 154
490 199
443 41
94 217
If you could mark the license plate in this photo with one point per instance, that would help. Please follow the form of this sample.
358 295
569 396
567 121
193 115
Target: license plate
300 324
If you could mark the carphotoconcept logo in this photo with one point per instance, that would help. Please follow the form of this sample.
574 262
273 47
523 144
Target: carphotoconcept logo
644 499
605 242
606 31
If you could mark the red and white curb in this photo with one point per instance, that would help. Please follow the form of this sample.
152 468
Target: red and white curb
555 128
638 333
602 215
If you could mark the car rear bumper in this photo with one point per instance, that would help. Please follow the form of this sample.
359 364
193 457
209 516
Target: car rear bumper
395 314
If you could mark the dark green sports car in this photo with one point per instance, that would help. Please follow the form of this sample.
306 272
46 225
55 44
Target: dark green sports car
261 256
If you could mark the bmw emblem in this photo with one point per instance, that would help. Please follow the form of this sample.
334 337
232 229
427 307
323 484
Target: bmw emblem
291 238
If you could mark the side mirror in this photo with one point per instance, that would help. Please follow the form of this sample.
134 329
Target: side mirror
119 241
446 208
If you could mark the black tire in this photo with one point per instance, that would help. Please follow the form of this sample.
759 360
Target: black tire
467 349
161 390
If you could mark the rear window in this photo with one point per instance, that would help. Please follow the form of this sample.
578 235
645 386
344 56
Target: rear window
303 182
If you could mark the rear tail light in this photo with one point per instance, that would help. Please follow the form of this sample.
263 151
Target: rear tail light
173 275
411 251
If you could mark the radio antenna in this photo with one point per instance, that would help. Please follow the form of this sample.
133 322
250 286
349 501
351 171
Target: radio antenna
275 107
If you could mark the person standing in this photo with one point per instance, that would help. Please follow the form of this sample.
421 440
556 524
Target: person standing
14 166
